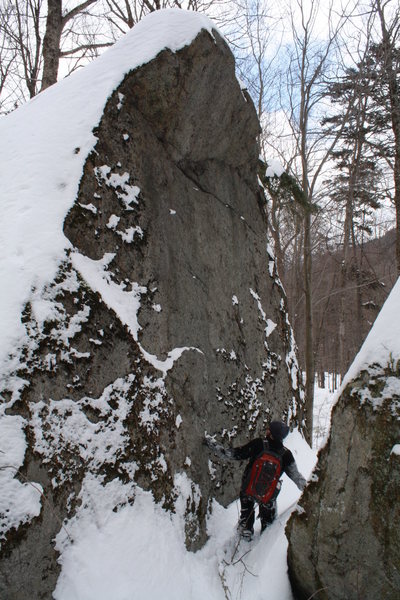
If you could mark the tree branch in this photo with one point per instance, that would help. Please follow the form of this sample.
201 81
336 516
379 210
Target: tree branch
75 11
85 47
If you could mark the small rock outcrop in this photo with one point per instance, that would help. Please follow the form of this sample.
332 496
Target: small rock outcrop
344 539
166 318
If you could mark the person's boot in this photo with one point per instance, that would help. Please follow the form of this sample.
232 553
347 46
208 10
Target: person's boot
245 532
265 525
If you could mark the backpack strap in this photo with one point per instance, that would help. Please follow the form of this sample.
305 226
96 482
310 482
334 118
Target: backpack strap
279 453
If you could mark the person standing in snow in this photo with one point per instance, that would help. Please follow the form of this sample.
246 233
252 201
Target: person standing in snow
275 434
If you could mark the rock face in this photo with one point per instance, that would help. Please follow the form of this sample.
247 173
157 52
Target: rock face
166 319
345 539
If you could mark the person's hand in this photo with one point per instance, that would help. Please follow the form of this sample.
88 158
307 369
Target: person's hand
215 447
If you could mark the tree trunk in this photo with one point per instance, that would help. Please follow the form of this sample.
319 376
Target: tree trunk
358 261
344 268
276 236
308 323
51 43
395 115
389 45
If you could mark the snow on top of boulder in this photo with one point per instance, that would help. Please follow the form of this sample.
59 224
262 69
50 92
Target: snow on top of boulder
44 145
274 168
382 345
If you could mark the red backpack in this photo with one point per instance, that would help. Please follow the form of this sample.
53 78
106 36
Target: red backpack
264 475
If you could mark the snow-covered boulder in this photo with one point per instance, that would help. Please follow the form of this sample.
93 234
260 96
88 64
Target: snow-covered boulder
142 306
344 540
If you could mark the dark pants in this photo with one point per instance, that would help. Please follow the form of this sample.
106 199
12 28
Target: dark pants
267 512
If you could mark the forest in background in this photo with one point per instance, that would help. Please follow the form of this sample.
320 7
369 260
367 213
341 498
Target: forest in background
325 81
372 274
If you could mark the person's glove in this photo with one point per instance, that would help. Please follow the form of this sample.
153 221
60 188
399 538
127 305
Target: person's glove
218 449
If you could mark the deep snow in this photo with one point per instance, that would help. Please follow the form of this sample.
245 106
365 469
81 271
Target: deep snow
138 552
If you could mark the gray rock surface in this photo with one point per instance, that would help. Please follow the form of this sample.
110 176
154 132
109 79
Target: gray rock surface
344 541
171 215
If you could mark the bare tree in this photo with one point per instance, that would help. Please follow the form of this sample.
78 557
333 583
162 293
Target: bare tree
21 46
352 186
33 41
312 63
56 24
122 15
36 36
7 53
251 27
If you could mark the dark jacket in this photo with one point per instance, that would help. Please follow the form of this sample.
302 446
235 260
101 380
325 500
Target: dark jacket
254 448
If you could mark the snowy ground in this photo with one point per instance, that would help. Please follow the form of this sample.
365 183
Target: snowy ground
324 398
138 553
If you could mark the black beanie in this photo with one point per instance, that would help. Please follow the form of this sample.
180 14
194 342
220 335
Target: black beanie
279 430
